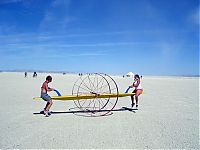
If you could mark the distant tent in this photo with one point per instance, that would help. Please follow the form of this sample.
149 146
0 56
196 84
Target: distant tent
130 74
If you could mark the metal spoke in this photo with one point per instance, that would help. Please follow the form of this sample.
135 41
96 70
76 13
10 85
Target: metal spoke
96 84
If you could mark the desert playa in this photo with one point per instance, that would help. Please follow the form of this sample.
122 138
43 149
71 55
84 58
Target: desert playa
167 118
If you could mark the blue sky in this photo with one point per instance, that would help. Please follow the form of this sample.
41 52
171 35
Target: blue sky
149 37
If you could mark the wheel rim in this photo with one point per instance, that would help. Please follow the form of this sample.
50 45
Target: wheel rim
95 84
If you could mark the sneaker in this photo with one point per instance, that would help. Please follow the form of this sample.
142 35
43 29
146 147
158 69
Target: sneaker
136 106
46 114
43 111
133 104
49 113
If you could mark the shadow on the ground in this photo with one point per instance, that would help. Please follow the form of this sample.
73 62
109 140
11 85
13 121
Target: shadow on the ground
88 111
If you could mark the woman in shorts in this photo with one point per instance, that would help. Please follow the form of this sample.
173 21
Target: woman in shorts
138 90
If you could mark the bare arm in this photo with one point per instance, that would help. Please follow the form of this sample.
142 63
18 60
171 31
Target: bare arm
136 83
48 88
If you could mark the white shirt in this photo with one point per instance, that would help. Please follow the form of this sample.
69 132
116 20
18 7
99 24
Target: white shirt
139 87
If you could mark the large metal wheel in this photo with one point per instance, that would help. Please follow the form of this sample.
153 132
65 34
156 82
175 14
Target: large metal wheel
96 84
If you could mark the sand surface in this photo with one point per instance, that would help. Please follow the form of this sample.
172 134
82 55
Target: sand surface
168 116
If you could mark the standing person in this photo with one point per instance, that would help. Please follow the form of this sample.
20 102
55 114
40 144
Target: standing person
138 90
25 74
45 96
34 74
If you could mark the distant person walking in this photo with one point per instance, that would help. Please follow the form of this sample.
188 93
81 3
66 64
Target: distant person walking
25 74
34 74
45 96
138 90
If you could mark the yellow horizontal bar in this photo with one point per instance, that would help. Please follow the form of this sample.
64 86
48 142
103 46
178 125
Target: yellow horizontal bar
87 96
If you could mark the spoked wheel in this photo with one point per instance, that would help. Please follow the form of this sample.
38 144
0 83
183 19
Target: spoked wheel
96 84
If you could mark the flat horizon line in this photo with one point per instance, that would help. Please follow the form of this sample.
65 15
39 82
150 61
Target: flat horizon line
83 72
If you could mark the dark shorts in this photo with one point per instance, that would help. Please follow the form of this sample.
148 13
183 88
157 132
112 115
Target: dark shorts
45 97
134 91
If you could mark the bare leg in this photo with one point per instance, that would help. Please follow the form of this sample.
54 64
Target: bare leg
136 99
49 104
132 99
138 92
47 108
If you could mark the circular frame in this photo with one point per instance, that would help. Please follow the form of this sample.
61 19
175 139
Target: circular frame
96 84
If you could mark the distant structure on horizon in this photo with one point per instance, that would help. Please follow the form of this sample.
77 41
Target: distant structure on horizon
130 74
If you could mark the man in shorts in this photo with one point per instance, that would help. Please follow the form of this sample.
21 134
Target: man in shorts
45 96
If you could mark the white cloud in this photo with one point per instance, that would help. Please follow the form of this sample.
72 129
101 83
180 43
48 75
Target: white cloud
194 16
10 1
58 3
6 29
169 49
56 17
